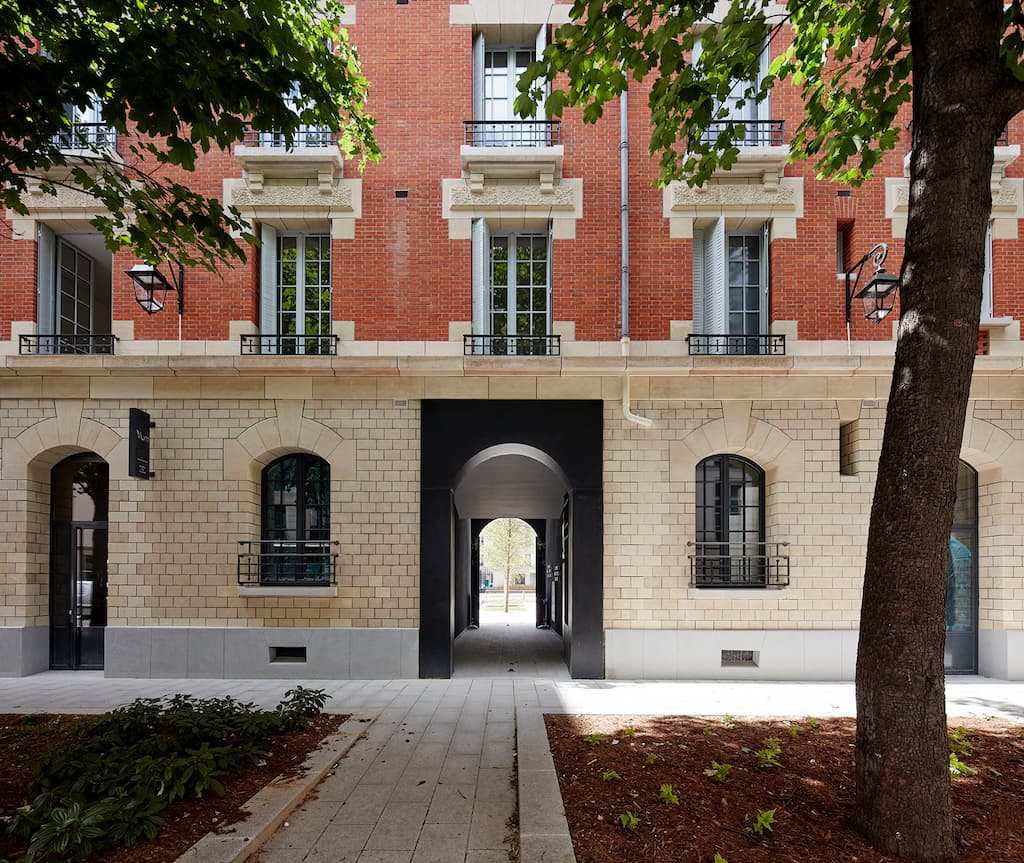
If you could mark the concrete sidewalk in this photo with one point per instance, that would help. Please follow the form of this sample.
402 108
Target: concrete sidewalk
431 780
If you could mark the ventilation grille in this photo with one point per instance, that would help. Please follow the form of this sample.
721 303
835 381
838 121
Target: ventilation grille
739 658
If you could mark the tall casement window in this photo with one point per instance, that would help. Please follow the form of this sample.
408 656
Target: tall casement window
499 59
73 305
295 302
729 542
730 289
512 291
296 515
760 130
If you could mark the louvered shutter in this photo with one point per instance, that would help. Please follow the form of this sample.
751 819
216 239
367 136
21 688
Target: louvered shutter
765 279
481 241
698 282
46 280
478 77
986 284
714 278
268 280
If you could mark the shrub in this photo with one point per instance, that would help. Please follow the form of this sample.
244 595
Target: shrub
106 785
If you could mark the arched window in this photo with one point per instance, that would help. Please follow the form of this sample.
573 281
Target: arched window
729 541
296 516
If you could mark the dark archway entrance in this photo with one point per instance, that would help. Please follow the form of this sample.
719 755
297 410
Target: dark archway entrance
79 495
559 449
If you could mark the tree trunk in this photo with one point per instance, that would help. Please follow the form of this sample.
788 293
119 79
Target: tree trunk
902 752
508 558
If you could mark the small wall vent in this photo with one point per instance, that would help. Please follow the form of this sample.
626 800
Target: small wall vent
287 654
739 658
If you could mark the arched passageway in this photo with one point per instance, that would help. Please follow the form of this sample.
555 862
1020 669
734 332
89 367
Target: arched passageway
539 462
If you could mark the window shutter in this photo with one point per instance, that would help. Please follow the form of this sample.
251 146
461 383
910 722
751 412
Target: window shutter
480 256
766 281
551 317
714 278
268 280
478 77
46 280
762 110
542 43
986 284
698 282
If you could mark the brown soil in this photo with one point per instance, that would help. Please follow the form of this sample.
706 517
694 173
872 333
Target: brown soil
812 791
187 821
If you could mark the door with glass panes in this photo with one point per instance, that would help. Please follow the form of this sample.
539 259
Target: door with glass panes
520 294
502 70
304 293
961 652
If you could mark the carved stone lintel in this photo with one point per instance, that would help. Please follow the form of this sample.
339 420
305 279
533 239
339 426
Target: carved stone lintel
294 197
723 195
513 196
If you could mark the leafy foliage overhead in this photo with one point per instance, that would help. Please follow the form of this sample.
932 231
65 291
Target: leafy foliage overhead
850 63
187 77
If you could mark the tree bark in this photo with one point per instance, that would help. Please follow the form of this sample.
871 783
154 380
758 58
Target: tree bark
902 753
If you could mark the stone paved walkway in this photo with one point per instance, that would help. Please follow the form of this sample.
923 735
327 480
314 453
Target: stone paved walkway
431 780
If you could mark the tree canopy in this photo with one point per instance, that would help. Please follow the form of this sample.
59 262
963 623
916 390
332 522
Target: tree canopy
175 80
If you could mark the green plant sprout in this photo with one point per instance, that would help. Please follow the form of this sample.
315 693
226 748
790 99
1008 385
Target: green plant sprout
629 821
651 757
667 795
594 739
719 771
764 821
611 776
629 732
769 756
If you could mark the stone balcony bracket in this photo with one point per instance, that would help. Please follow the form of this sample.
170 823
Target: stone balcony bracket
324 164
543 164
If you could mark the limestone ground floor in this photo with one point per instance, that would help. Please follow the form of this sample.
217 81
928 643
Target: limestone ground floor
327 527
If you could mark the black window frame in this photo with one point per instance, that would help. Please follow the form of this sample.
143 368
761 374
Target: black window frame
299 554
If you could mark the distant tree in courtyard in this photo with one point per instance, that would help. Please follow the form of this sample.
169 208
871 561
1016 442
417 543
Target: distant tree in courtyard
507 545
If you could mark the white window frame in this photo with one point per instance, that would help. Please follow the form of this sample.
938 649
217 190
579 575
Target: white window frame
525 135
752 110
271 287
483 282
73 325
711 278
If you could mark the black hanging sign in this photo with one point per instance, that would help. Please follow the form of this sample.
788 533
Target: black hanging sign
138 444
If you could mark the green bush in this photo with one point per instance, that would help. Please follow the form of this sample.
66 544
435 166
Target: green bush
106 786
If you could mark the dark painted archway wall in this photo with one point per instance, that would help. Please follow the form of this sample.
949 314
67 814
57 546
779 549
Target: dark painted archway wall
571 433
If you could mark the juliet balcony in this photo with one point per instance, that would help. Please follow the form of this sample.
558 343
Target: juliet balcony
287 563
739 564
729 345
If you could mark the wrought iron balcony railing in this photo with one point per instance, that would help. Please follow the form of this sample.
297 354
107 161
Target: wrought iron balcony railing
739 564
85 137
511 346
304 136
290 345
754 133
512 133
726 344
55 343
286 563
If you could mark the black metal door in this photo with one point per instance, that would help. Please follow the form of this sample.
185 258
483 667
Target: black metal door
78 594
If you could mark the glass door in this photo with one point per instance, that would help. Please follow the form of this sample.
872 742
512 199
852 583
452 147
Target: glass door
78 563
961 653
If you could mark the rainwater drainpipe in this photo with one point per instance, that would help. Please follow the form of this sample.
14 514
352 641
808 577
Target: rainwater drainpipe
643 422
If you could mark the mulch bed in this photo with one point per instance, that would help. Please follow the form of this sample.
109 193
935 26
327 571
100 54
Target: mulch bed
23 739
812 791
